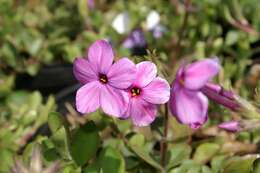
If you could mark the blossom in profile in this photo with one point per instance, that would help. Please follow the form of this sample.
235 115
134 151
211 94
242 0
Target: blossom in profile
187 102
102 81
231 126
145 94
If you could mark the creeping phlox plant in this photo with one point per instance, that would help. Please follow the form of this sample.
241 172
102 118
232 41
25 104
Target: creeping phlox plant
125 90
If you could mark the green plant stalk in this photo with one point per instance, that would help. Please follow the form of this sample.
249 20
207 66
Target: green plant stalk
164 145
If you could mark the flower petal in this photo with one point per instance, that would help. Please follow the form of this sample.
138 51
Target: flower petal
197 74
113 101
146 72
83 71
88 97
141 112
101 55
232 126
122 73
157 92
189 107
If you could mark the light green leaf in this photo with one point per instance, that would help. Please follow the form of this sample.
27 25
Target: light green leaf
205 152
84 143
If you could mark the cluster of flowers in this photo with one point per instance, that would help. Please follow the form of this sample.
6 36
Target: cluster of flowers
125 90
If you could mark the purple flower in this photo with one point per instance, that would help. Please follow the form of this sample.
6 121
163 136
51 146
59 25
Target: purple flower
231 126
145 93
135 39
187 102
103 81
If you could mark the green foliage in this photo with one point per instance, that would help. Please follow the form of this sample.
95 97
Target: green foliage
38 33
84 143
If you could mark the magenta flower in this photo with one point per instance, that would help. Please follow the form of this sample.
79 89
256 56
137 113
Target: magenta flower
187 102
103 81
145 93
231 126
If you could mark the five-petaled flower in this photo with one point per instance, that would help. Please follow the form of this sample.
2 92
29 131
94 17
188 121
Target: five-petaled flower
187 102
103 82
126 90
145 93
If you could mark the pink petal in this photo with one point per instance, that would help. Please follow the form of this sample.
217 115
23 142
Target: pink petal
113 101
142 113
197 74
101 55
87 97
157 92
83 71
146 72
189 107
232 126
122 73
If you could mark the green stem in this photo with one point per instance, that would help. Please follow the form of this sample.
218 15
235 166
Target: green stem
164 145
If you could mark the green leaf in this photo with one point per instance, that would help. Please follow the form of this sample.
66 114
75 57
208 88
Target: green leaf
217 163
137 140
256 166
110 160
239 164
145 156
205 152
178 153
84 143
188 166
231 38
54 121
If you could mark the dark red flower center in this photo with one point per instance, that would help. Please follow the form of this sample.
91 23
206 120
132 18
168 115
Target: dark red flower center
103 78
135 91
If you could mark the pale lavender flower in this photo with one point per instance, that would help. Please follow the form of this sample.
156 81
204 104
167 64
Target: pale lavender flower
103 81
145 94
187 102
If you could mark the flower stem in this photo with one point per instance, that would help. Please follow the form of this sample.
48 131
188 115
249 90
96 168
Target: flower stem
164 145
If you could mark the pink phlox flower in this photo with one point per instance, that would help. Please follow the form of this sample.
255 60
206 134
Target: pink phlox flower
102 81
145 94
187 102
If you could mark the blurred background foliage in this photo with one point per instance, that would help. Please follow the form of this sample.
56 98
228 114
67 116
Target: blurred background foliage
39 40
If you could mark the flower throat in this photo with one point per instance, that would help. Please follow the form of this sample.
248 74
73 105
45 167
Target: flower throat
135 91
103 78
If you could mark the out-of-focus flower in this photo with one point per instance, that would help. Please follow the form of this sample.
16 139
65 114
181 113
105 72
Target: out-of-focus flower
121 23
152 20
145 93
103 81
35 164
231 126
187 103
158 31
135 39
136 42
153 24
91 4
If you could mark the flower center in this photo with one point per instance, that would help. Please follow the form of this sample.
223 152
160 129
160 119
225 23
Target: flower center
135 91
103 78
